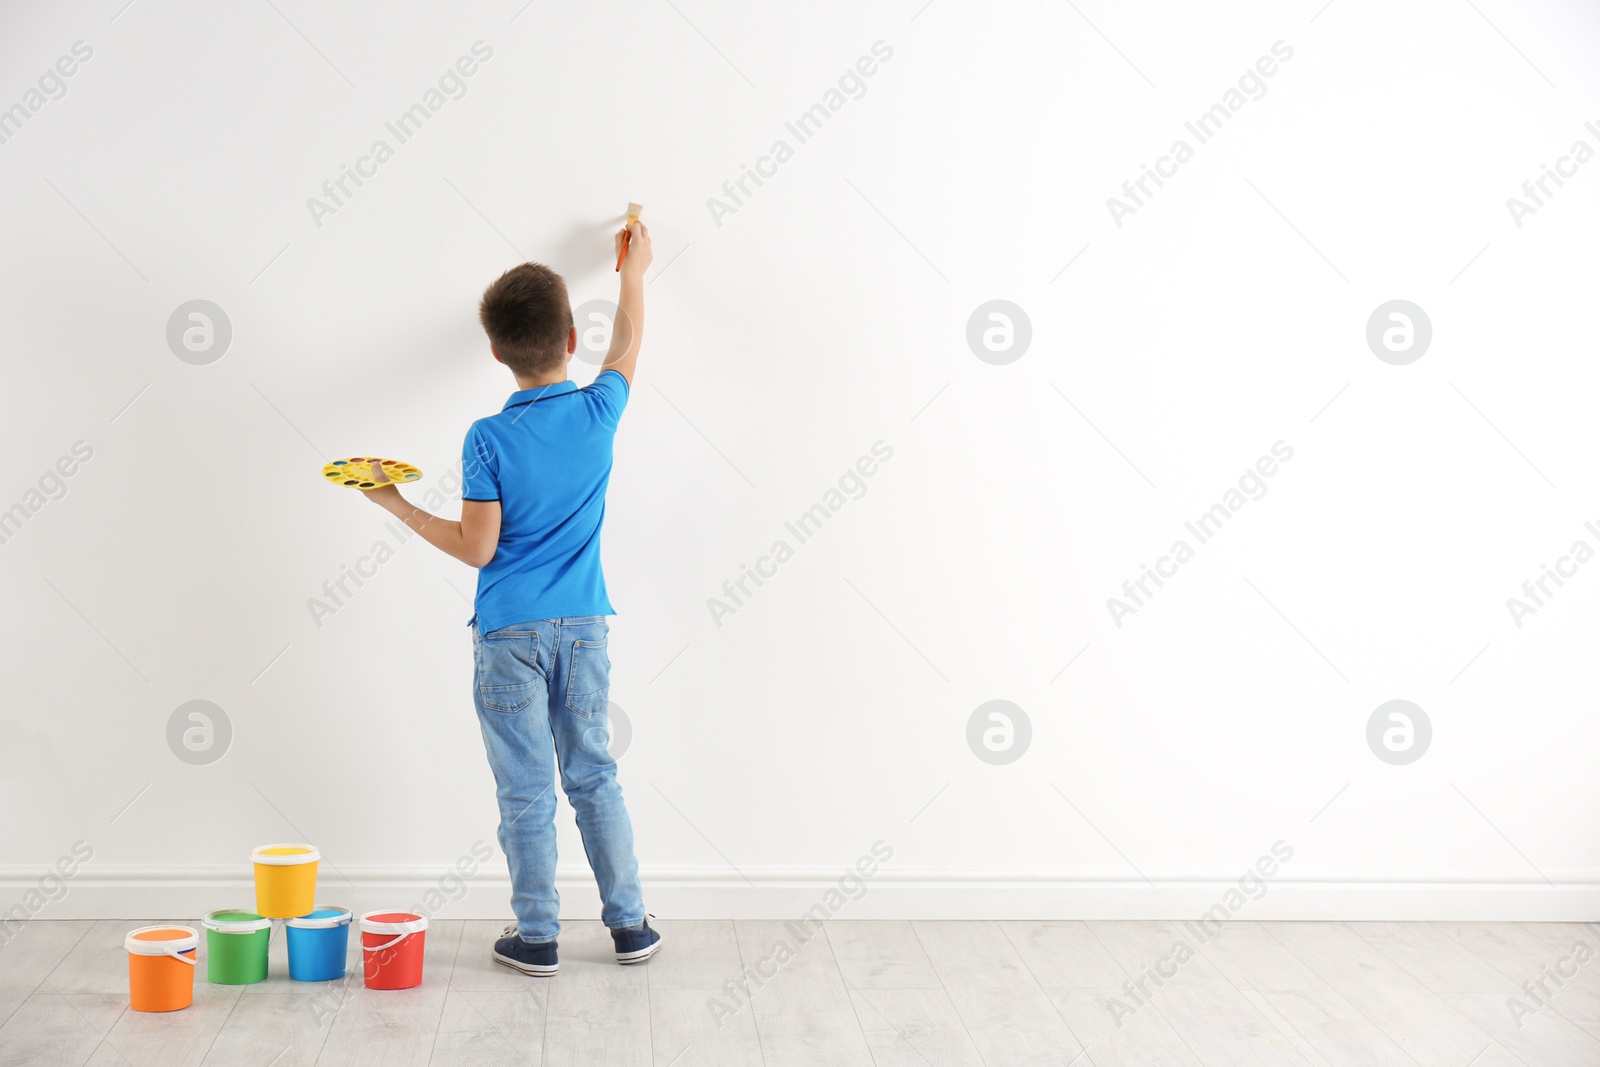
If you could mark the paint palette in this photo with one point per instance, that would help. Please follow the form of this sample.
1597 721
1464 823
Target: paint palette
356 472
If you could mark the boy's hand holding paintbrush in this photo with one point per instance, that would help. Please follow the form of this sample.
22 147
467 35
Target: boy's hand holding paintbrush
633 257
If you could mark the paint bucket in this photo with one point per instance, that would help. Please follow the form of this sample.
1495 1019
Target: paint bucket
286 880
392 943
236 946
319 944
161 967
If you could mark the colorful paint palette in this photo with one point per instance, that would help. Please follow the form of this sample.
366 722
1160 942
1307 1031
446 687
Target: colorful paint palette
356 472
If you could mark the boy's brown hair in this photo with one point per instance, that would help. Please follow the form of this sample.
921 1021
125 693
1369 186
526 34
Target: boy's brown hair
528 319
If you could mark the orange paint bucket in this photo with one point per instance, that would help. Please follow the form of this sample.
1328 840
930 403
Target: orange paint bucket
286 880
161 967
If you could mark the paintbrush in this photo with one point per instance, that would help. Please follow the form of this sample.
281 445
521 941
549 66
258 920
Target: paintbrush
634 211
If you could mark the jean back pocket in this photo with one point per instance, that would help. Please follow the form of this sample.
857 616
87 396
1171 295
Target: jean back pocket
508 671
589 677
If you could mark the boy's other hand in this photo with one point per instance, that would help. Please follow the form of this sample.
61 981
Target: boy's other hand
638 257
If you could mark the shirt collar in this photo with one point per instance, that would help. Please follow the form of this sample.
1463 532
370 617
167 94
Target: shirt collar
528 396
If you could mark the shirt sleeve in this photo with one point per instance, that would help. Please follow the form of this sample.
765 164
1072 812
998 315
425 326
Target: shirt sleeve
608 393
480 467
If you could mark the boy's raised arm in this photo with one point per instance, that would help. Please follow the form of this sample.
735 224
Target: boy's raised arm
628 330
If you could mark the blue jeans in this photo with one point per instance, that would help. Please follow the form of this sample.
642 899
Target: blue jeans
541 689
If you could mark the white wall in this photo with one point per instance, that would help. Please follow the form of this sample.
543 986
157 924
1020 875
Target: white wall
827 313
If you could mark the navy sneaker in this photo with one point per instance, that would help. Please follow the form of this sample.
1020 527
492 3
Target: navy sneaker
635 944
537 960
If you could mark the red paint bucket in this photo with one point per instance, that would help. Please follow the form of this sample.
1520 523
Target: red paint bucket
392 944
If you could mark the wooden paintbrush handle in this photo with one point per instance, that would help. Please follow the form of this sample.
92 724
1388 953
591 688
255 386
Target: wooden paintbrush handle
626 237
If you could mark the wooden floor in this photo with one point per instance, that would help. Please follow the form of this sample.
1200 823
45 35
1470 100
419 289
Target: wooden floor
891 994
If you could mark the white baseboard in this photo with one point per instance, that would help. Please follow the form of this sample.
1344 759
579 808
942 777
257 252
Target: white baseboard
99 892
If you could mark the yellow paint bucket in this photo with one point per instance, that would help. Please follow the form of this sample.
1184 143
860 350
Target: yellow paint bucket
286 880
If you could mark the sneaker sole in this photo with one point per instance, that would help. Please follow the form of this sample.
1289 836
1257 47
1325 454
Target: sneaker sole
533 970
640 956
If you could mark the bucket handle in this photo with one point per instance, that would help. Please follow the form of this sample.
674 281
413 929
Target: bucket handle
180 956
389 944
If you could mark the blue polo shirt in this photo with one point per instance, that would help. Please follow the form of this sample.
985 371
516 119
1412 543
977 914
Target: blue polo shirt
547 458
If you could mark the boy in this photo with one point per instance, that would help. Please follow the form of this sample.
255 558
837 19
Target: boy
534 479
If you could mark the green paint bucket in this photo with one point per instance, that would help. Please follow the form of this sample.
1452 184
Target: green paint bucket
236 946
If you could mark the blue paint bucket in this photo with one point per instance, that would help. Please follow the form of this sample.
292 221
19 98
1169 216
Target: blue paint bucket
319 944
